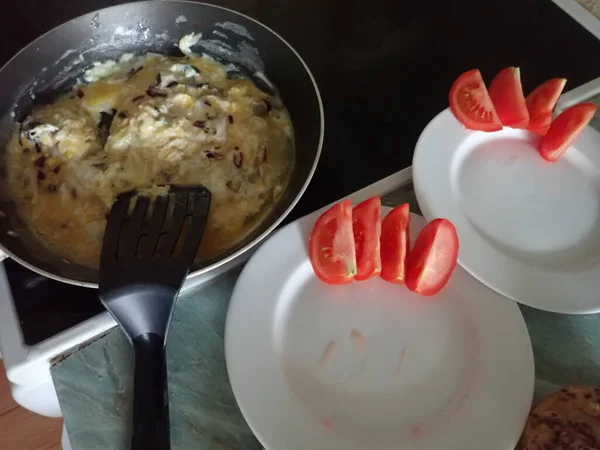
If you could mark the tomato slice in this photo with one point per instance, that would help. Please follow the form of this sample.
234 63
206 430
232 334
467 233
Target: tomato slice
331 245
564 130
506 93
366 223
541 102
471 104
432 258
395 244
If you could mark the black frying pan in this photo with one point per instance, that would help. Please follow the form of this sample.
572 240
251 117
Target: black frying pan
51 64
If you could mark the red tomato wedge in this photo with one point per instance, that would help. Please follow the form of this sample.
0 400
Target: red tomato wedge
506 93
541 102
366 223
395 244
331 245
433 258
471 104
564 130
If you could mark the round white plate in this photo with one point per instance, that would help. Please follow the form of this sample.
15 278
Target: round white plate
371 365
529 229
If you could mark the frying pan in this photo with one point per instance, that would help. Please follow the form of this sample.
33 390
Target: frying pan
52 63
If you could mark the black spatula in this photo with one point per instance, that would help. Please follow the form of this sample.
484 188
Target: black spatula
147 251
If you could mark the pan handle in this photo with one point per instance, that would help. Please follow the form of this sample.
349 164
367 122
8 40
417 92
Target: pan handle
150 396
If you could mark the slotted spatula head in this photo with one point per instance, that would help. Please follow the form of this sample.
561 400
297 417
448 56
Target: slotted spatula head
153 240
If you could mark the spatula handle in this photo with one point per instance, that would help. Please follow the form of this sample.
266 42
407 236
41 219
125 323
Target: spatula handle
150 397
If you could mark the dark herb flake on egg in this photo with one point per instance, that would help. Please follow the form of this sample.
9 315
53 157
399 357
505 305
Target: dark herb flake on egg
106 120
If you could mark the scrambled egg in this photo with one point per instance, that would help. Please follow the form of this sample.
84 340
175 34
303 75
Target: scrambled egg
143 122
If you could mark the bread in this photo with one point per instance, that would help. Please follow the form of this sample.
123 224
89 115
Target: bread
569 419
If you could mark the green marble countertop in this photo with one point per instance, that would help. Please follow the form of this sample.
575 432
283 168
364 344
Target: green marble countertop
94 384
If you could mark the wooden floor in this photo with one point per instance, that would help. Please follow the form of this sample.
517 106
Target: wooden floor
592 6
21 429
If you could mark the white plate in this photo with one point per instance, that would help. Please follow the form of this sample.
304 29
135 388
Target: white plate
371 365
527 228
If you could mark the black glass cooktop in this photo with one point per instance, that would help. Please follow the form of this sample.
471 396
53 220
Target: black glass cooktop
46 307
384 69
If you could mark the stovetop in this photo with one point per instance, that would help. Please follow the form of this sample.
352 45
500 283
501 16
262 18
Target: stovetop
384 69
47 307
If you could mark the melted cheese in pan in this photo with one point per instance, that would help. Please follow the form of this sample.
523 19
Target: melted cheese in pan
144 122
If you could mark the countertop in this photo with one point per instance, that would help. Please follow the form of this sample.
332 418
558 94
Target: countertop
94 384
